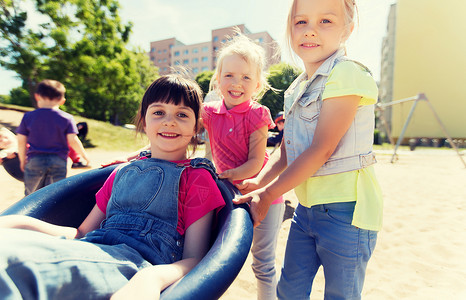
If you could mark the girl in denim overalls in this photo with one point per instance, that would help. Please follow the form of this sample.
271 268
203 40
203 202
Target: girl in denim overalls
150 226
326 155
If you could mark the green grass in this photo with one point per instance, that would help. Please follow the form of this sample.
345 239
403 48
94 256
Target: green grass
105 136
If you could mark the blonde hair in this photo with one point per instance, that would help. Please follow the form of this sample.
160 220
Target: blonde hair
248 50
349 7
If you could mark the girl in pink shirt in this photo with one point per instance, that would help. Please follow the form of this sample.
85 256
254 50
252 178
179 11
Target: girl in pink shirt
237 128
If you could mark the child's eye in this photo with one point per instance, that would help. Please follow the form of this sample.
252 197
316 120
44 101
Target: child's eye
300 22
325 21
228 75
158 113
182 115
246 77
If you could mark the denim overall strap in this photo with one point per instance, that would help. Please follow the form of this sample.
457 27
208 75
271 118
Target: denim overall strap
143 211
201 162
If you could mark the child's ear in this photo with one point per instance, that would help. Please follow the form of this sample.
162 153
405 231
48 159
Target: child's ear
36 97
62 101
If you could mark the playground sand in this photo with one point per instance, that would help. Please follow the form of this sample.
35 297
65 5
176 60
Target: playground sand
420 250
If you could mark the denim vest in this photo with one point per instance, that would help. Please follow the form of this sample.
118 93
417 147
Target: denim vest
143 209
302 109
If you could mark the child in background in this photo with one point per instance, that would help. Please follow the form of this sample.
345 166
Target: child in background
275 140
9 154
49 132
326 155
76 159
153 237
237 127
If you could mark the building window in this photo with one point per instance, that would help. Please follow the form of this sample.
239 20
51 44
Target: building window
195 50
177 62
152 58
205 69
260 40
205 59
171 46
186 52
185 61
164 60
195 60
196 70
215 49
164 69
205 49
159 61
215 38
160 51
177 53
223 41
164 50
152 49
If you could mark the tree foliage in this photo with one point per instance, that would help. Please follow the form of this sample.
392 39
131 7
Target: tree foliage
83 44
280 77
203 79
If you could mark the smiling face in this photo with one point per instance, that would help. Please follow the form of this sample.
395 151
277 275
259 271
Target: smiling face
318 29
169 128
237 80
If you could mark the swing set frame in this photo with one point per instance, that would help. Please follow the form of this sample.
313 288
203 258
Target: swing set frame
419 97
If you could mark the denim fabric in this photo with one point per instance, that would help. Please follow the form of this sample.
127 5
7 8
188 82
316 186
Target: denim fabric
323 235
42 170
34 265
263 248
302 108
140 230
145 216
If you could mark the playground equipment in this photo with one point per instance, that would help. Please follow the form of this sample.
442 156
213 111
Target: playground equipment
416 99
68 202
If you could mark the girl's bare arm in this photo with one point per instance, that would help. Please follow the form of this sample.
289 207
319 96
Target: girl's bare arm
256 155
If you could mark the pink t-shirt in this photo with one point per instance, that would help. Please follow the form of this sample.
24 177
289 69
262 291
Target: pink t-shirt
198 195
229 132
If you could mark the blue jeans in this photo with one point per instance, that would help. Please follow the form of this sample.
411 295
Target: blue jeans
323 235
263 248
34 265
42 170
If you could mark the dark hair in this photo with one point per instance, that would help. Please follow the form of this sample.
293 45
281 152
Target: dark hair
51 89
172 89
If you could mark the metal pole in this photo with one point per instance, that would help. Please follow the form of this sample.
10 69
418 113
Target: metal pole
400 138
444 129
399 101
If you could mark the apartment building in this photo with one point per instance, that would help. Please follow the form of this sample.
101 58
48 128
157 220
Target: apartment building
422 54
170 54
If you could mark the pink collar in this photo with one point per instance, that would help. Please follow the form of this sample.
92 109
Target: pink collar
243 107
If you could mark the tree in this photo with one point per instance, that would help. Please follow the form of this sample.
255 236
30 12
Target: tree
19 96
83 44
280 77
203 79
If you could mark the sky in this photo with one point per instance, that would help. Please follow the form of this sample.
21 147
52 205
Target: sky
192 21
